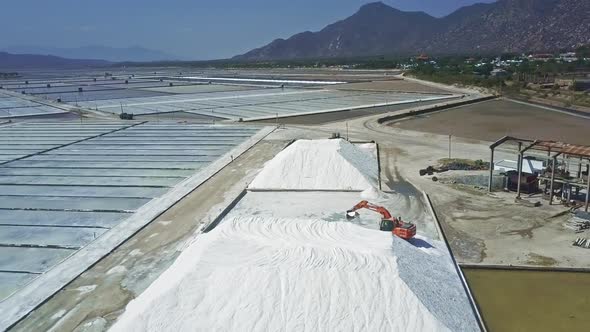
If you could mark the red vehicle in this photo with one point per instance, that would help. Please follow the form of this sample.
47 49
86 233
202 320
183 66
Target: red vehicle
389 223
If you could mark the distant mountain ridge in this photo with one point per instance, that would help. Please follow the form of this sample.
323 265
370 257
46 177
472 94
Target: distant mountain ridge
503 26
19 61
112 54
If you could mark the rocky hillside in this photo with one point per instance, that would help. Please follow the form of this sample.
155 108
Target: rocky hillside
504 26
516 25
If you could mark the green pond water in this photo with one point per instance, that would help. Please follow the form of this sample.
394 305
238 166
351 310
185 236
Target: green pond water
517 300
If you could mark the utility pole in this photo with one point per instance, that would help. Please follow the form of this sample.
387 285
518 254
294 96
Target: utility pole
450 145
347 138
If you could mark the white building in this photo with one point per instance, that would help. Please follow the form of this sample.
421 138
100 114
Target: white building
530 166
568 57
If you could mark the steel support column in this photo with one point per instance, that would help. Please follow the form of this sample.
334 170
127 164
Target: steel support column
548 163
587 190
553 165
491 170
520 160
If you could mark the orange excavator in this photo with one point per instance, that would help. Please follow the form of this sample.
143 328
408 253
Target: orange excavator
389 223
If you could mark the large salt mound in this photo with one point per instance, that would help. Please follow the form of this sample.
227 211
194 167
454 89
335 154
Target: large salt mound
319 165
269 274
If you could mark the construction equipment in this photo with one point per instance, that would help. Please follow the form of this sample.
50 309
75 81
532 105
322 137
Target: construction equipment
405 230
126 116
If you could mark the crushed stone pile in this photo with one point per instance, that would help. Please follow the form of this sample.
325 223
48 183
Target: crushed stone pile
330 164
440 288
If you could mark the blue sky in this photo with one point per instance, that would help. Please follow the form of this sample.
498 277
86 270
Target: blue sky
200 29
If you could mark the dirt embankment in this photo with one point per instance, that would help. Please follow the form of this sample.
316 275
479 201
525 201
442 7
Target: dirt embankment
492 120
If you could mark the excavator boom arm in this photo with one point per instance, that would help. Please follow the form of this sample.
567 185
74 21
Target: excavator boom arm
366 205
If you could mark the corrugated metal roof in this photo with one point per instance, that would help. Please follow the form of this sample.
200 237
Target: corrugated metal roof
552 146
565 148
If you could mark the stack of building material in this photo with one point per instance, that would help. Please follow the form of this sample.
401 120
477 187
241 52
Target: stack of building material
582 243
579 225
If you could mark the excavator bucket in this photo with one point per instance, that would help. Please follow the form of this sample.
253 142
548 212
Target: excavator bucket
351 214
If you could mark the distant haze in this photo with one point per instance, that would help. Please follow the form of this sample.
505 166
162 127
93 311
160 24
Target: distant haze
185 29
113 54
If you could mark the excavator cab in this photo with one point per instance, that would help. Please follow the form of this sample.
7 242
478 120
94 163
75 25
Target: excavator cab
386 225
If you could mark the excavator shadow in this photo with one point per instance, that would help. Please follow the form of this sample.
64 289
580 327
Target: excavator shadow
419 243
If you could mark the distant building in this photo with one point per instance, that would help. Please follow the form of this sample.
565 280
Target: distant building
568 57
422 57
529 166
508 63
541 57
574 84
582 85
531 169
564 83
499 73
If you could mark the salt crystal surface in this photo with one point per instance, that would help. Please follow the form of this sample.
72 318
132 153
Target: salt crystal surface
261 274
321 165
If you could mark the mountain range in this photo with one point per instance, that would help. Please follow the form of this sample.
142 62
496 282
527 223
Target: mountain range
20 61
499 27
112 54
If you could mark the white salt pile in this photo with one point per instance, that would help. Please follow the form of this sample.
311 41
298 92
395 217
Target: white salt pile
320 165
265 274
371 193
371 148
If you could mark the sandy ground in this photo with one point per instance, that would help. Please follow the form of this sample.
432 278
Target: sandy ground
390 85
327 74
97 296
324 118
494 119
563 101
492 229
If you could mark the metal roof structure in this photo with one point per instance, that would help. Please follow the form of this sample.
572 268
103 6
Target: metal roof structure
554 149
559 148
564 148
